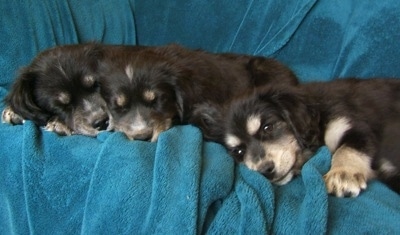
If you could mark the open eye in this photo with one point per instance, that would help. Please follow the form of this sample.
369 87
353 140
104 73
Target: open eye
238 153
267 128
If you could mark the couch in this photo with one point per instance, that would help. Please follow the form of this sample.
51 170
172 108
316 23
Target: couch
181 184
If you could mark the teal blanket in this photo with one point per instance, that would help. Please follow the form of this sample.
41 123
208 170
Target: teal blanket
181 184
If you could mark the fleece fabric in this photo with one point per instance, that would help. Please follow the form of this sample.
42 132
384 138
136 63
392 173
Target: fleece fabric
51 184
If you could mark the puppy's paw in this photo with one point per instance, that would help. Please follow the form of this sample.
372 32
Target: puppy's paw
58 127
8 116
345 182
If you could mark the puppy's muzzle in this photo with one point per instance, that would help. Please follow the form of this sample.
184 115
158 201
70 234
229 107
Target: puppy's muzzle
144 134
268 170
101 124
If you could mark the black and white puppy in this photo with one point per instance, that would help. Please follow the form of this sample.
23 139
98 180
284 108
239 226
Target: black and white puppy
276 129
159 87
60 90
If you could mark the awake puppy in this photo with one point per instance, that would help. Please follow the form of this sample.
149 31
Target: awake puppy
60 90
275 130
159 87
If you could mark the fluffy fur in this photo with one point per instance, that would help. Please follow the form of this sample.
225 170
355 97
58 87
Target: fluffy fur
60 90
159 87
275 130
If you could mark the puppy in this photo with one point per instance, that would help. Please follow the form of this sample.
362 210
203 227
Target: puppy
159 87
60 90
209 115
276 129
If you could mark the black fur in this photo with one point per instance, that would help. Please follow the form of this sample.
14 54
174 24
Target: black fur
53 87
183 81
371 106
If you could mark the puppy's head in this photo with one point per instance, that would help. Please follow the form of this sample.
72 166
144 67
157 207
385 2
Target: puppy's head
142 96
209 117
61 83
270 131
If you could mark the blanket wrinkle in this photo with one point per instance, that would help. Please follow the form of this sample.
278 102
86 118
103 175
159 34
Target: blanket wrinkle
217 181
176 179
118 193
110 185
255 26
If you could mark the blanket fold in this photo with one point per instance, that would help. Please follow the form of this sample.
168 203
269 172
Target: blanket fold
256 27
51 184
180 183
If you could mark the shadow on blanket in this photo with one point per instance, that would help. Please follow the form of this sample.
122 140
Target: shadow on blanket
111 185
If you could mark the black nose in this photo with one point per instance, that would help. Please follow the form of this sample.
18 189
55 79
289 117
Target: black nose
101 124
268 170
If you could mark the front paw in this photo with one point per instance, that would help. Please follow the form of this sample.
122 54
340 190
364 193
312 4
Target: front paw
345 182
9 116
58 127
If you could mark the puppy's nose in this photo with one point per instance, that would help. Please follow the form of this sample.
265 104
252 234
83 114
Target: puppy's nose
143 136
101 124
268 170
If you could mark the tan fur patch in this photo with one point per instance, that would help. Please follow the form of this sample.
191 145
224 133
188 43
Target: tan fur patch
58 127
64 98
149 95
160 128
88 81
282 153
387 168
121 100
129 72
349 172
9 116
253 124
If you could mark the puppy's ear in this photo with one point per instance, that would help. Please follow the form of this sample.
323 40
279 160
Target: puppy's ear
208 118
94 53
179 106
21 99
269 71
297 111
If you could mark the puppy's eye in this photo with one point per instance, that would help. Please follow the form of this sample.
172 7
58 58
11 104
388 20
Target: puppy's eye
238 153
267 128
96 85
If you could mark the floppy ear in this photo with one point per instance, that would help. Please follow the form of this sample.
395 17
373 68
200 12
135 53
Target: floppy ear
22 101
208 118
179 105
269 71
297 111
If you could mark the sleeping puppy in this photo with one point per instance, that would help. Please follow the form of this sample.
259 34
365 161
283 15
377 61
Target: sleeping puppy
159 87
60 90
275 130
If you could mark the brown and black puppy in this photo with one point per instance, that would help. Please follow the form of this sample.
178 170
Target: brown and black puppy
276 129
60 90
162 86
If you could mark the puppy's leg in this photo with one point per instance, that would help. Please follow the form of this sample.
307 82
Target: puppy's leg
9 116
352 146
349 173
58 127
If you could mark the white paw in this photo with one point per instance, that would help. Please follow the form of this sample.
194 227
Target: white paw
58 127
8 116
345 182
